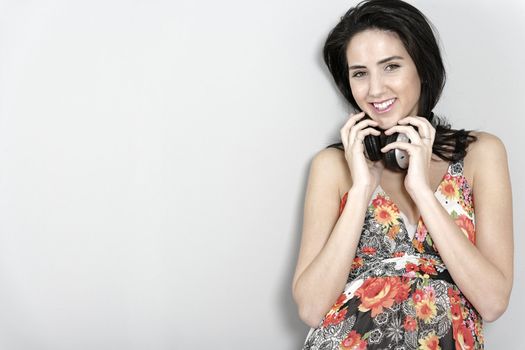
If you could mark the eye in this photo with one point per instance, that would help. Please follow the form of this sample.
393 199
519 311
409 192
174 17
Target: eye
392 66
358 74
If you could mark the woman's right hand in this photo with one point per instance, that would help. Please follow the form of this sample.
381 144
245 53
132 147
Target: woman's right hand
365 173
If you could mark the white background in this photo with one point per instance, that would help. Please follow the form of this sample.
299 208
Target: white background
154 158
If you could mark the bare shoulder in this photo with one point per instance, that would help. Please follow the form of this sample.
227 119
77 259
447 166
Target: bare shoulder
330 164
486 152
486 142
487 146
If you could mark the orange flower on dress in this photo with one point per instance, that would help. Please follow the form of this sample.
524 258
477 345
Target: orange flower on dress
353 341
394 230
430 342
466 225
449 189
418 245
385 215
379 292
426 310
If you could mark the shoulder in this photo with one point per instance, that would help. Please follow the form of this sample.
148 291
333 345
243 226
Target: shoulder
486 154
330 165
486 145
487 141
329 157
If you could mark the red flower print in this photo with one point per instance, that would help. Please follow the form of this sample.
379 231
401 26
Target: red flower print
403 288
357 263
410 324
418 296
379 201
427 266
398 254
453 295
466 225
411 267
343 203
456 314
353 341
334 318
429 269
464 338
369 250
379 292
340 301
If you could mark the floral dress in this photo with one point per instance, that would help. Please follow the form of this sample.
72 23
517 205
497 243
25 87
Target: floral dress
399 293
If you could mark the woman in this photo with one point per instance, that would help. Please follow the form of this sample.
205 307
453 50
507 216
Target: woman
401 259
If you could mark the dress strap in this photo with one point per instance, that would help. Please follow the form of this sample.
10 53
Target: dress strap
456 168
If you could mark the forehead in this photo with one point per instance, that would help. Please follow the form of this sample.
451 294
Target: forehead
373 45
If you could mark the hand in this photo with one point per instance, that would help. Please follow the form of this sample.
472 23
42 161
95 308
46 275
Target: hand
419 151
365 173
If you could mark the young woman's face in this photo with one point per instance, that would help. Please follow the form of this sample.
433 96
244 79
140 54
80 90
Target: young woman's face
383 77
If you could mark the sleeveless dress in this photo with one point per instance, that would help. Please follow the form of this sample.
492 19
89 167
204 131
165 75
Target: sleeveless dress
399 294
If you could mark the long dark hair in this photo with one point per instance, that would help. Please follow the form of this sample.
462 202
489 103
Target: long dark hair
416 33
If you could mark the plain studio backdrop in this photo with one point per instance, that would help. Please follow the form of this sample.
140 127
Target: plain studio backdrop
154 159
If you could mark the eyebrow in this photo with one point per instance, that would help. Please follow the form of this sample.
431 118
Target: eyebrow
384 60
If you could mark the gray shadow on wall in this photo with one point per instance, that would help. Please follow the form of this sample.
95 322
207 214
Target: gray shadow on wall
289 313
296 327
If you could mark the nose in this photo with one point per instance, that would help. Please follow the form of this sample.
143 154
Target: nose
376 87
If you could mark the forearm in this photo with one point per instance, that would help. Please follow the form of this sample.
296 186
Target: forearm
482 283
321 283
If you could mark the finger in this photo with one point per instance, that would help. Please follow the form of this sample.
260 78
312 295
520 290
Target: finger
360 126
411 133
425 129
360 135
366 122
404 146
353 119
348 124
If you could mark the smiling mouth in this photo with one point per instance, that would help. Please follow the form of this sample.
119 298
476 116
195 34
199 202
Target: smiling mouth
383 106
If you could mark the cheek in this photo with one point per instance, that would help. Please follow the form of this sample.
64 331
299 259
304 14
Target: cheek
358 91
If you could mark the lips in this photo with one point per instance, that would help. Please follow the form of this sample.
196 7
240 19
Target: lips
383 106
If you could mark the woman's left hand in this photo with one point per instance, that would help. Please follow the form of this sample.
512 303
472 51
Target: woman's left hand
419 151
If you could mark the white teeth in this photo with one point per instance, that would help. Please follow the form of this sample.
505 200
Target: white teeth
383 105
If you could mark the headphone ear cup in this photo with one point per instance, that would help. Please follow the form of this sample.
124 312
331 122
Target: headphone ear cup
390 156
373 147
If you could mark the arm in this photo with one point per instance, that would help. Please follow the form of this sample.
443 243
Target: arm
329 242
484 272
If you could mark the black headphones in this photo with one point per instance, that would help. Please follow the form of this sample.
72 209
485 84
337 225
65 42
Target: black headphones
395 159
